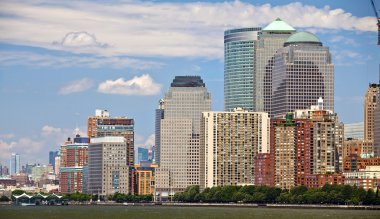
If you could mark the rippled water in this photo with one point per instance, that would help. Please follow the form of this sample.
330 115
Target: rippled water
156 212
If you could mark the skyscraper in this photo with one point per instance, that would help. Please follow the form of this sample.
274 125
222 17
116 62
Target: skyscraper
52 155
302 73
185 101
14 164
239 67
230 142
376 128
370 103
354 130
160 114
142 154
102 125
270 40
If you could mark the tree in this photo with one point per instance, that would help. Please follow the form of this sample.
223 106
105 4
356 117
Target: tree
4 199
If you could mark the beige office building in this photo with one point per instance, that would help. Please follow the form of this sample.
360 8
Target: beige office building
231 141
108 167
179 134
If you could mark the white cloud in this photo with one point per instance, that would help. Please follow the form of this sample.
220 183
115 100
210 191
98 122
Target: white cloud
76 86
29 149
150 141
32 59
50 130
346 57
140 86
80 39
151 29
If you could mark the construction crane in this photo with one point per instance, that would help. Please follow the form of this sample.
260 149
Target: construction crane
378 22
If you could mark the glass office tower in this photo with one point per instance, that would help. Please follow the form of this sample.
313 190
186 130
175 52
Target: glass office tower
239 67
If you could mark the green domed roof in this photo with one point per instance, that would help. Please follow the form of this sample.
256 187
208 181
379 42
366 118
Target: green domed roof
303 37
278 25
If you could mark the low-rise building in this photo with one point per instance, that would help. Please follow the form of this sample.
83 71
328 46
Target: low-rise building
368 178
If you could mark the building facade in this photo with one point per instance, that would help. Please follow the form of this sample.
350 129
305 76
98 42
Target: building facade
102 125
145 178
142 154
376 127
71 170
370 103
302 73
271 38
180 131
108 169
239 67
230 143
160 114
52 155
354 131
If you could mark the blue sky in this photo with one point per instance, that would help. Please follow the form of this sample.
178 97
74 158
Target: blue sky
60 60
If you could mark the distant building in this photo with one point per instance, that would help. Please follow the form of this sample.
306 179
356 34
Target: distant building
354 131
108 169
370 103
52 155
5 171
39 171
230 142
142 154
180 132
71 171
302 72
15 166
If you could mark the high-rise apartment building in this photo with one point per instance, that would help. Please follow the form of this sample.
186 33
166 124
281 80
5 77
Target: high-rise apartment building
239 67
74 158
302 72
230 142
108 169
270 40
328 137
285 152
370 103
180 131
160 114
102 125
14 164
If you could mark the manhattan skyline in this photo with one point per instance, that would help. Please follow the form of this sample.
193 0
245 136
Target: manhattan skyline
61 61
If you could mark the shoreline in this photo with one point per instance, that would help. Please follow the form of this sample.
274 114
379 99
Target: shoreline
231 205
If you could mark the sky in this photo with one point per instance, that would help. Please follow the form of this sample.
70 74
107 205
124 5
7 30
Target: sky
61 60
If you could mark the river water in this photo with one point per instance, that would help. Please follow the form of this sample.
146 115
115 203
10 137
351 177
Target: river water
168 212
